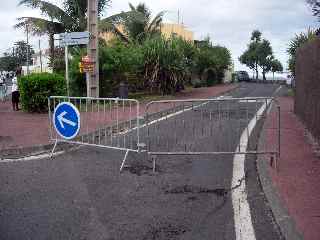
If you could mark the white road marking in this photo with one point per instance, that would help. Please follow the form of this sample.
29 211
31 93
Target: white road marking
242 217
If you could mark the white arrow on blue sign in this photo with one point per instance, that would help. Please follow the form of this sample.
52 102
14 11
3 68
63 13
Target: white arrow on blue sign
66 120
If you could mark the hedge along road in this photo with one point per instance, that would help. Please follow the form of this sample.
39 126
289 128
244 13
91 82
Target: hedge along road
81 195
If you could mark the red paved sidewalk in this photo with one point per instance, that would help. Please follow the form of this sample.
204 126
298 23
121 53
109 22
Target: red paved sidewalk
20 129
298 178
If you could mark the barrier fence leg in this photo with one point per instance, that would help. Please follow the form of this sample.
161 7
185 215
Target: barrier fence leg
154 158
124 160
54 148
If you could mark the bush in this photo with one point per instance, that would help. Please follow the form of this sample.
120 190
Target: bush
78 84
36 88
119 62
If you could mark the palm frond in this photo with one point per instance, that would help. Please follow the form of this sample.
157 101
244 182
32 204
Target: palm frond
39 26
155 23
132 7
48 9
107 26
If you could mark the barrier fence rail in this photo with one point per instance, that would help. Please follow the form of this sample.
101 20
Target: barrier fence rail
173 127
104 122
211 127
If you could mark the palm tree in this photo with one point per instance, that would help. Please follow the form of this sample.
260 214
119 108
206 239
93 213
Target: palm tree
69 19
276 66
56 21
298 41
142 27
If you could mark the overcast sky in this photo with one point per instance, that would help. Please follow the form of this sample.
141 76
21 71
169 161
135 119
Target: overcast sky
227 22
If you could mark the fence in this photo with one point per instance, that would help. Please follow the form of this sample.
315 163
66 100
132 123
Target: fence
104 122
174 127
3 92
307 92
210 127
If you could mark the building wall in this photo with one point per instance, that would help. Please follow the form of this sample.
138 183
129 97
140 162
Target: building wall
36 67
180 30
167 29
228 74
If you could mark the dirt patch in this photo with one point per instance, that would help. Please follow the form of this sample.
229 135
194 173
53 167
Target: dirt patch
165 231
195 189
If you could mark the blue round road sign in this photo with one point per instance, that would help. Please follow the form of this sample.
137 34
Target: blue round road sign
66 120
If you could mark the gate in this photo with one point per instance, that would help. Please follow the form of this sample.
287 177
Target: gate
104 122
212 127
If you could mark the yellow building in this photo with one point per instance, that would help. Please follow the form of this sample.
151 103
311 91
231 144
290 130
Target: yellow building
167 29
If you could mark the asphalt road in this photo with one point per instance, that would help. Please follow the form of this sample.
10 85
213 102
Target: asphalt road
82 195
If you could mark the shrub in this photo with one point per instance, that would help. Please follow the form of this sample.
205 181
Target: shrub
36 88
167 63
78 84
119 62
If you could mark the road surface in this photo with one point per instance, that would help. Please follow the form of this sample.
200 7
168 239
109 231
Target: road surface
82 195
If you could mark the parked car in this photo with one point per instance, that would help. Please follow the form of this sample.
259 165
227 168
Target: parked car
242 76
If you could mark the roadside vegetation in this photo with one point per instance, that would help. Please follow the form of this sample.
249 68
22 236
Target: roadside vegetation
259 54
139 55
304 37
298 41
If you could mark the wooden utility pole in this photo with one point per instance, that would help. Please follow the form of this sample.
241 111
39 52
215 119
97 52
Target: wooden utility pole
93 78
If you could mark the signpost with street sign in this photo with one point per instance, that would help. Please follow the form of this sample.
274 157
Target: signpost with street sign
71 39
66 120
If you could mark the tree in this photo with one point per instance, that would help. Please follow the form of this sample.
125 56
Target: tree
276 66
55 20
72 17
213 60
249 59
250 56
298 41
315 5
258 54
21 52
140 26
264 56
8 63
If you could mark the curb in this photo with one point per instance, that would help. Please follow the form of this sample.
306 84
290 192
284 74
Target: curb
21 152
280 213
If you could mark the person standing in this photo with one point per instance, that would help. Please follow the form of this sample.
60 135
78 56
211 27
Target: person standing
15 94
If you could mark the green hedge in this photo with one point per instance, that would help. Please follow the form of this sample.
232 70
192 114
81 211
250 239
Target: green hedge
36 88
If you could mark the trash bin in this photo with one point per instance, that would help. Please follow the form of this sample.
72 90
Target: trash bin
123 90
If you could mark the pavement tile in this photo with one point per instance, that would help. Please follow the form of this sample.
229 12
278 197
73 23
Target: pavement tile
299 173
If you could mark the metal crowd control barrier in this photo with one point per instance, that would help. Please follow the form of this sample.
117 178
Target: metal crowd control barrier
3 92
104 122
211 127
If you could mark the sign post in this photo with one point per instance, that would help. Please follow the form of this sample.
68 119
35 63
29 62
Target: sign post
67 68
70 39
